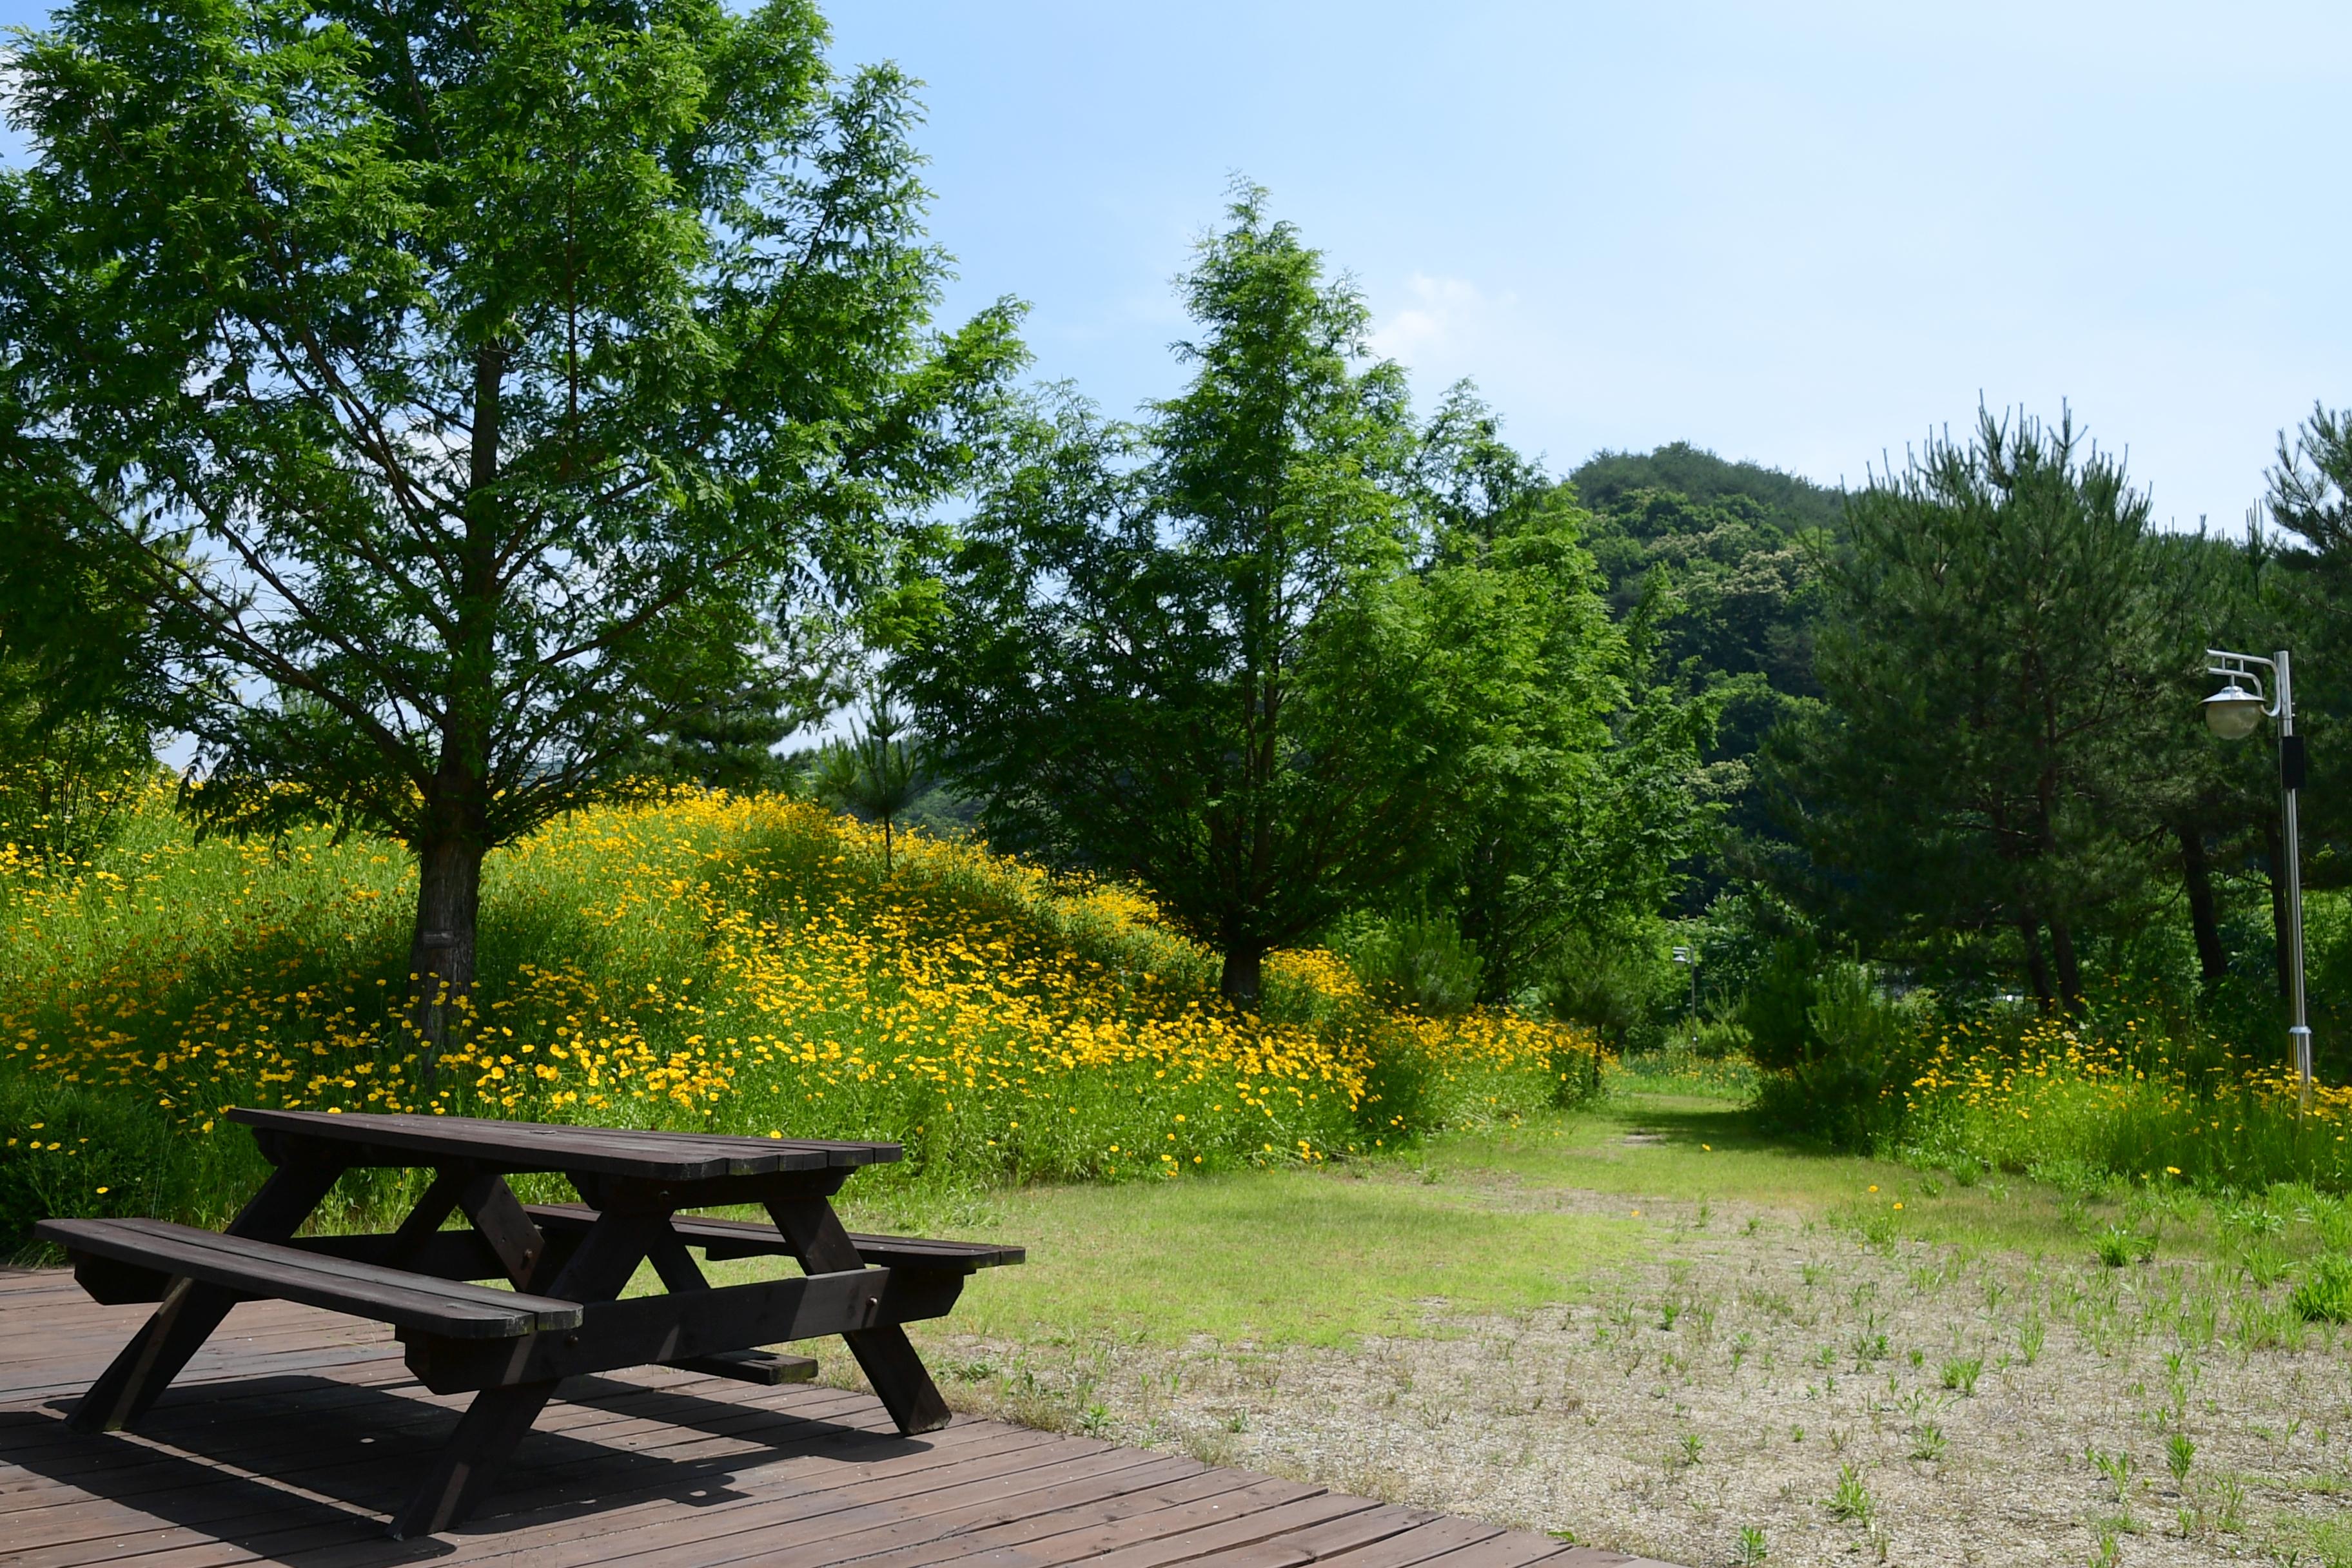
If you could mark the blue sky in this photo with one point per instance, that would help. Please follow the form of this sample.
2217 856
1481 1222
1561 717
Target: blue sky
1804 233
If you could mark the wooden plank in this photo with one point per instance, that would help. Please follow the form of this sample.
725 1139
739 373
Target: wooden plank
529 1145
1246 1530
498 1216
788 1521
579 1519
192 1502
584 1517
815 1477
1512 1549
1415 1546
1318 1542
934 1522
191 1310
731 1238
764 1368
1075 1491
449 1307
1035 1534
1258 1494
644 1329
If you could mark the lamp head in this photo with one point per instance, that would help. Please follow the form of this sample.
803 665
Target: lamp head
2233 711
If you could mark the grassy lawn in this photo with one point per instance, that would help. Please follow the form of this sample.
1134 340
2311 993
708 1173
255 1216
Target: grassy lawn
1493 1221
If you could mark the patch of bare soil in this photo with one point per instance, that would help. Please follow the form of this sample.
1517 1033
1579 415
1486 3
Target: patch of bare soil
1768 1384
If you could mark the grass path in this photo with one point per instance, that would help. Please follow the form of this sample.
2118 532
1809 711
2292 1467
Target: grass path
1649 1326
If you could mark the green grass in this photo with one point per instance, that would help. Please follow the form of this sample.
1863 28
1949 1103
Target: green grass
1270 1258
1694 1148
1478 1220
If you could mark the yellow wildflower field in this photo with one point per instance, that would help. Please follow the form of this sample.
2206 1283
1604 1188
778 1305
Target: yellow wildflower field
698 960
2123 1096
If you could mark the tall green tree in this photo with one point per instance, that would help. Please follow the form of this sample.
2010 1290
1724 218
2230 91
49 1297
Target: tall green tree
2309 497
1723 560
2001 663
1583 812
1227 651
80 700
463 386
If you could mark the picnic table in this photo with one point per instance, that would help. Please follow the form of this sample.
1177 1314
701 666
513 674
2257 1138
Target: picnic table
566 1265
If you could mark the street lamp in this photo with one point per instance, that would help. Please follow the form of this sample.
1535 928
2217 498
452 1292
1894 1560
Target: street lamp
2233 713
1689 956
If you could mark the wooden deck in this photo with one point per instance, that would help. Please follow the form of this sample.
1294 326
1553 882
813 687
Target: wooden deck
295 1432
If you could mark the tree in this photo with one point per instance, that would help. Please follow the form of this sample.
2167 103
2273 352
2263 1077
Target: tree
2000 661
1728 558
78 703
1224 651
462 388
1580 815
2309 497
875 774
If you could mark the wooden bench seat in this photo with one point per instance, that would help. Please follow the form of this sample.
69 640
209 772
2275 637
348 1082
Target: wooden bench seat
724 1238
445 1307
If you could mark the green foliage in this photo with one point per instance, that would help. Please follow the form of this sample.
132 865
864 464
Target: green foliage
1851 1499
873 773
741 966
79 693
1420 961
2326 1291
2001 658
1582 817
1777 1006
1849 1065
461 394
1618 982
2118 1243
1258 650
1722 562
1607 481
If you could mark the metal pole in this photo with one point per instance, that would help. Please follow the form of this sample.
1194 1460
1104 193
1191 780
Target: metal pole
2290 772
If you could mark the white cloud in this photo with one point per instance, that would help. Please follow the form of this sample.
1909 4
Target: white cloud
1445 319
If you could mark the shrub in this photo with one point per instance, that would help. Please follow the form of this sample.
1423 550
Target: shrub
1610 986
1419 962
1853 1055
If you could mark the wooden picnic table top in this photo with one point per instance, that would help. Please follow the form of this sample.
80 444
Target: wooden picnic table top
551 1146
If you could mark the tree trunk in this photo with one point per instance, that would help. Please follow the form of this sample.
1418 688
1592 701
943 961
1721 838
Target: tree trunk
1239 981
2037 968
2070 969
2212 960
2279 945
441 952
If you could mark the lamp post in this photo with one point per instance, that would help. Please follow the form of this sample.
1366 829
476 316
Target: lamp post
2233 713
1689 957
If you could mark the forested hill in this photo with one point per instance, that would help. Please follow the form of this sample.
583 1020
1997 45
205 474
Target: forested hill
1793 501
1737 614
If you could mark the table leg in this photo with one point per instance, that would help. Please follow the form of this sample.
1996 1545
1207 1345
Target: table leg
818 1239
191 1312
499 1216
495 1425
